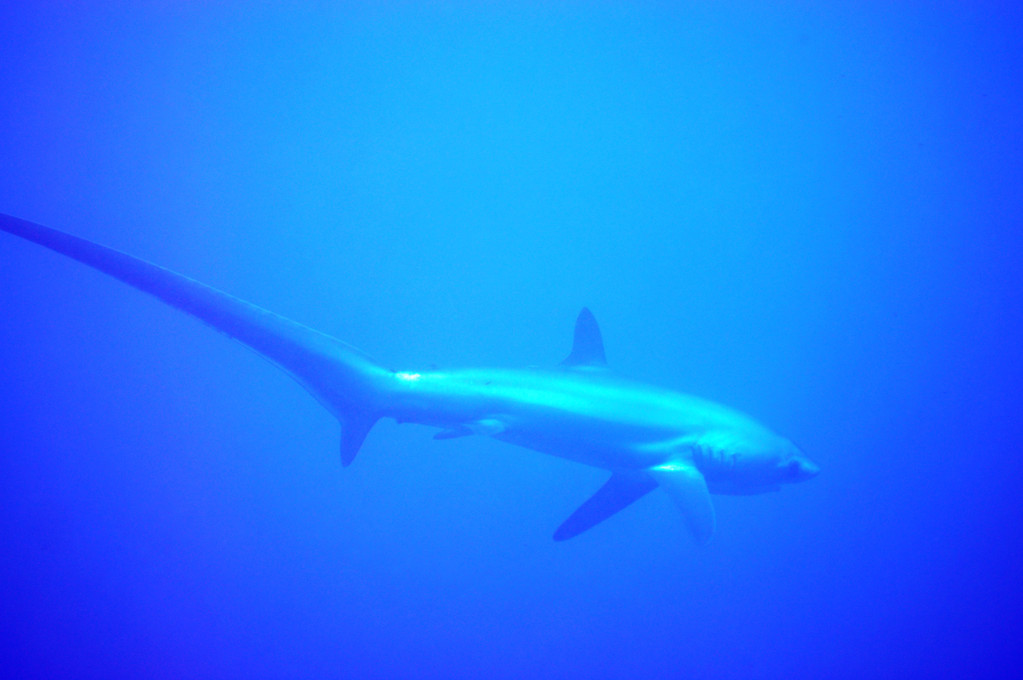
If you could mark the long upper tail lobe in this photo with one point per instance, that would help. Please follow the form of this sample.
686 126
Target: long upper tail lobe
338 375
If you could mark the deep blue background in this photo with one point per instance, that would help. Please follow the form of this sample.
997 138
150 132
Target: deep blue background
810 214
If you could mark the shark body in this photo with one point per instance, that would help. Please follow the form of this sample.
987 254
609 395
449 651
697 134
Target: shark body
647 437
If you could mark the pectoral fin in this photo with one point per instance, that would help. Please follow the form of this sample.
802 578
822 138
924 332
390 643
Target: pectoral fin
687 487
620 491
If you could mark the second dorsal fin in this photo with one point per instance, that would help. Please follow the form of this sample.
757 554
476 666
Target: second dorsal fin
587 345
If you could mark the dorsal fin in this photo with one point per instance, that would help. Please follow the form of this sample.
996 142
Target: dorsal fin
587 346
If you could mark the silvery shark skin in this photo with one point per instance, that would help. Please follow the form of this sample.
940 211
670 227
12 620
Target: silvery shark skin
646 436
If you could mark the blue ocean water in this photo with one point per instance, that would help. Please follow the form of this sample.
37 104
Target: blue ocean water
810 214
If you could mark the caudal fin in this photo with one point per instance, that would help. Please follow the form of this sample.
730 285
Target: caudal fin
338 375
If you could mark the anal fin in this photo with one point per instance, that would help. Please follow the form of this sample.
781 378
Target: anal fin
619 492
